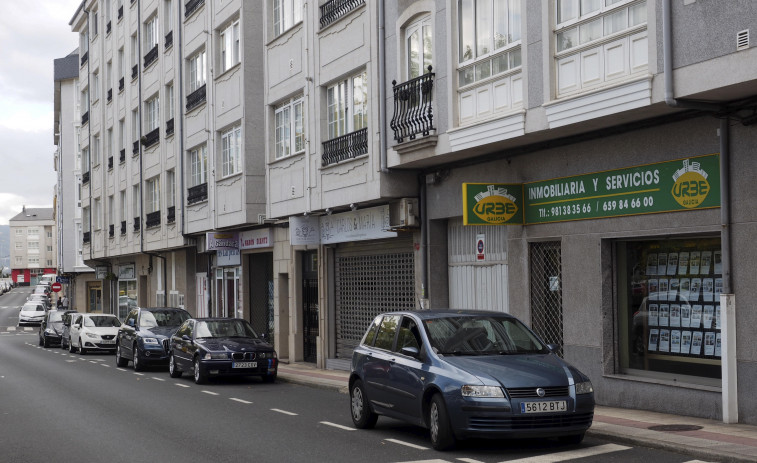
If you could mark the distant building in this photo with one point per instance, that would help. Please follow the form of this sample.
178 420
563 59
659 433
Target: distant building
33 243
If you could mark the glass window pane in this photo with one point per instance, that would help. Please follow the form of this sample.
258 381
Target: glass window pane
465 8
566 10
615 22
612 2
514 21
567 39
638 14
427 47
591 31
483 70
515 59
590 6
500 64
500 24
299 127
413 52
483 27
466 76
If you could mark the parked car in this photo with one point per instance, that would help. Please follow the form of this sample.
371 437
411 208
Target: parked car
42 289
144 336
221 347
41 298
51 328
93 332
65 336
467 374
31 313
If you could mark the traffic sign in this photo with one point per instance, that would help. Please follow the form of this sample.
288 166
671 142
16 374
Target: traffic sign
56 286
63 280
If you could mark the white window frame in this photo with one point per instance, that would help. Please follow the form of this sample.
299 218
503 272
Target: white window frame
286 13
418 65
93 23
96 150
168 15
111 210
231 151
124 206
136 202
152 199
109 143
171 101
170 188
96 86
196 71
289 121
98 214
198 165
347 105
484 24
122 134
152 114
230 46
85 159
151 33
135 129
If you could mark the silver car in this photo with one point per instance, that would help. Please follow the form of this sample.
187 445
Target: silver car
31 313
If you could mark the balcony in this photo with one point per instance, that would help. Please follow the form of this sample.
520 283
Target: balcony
86 237
122 156
111 231
85 118
169 127
110 162
197 193
169 39
107 28
151 138
171 217
110 95
136 224
120 12
191 6
85 177
196 98
84 57
335 9
150 57
413 112
345 147
153 219
134 71
135 148
121 84
123 227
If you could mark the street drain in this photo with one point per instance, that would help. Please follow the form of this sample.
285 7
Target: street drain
675 427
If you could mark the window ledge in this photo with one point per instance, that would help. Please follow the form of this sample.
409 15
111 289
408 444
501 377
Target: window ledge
287 34
418 144
295 157
231 176
227 72
346 161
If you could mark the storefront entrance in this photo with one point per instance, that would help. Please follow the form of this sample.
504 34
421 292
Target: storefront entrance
261 294
310 305
95 297
546 291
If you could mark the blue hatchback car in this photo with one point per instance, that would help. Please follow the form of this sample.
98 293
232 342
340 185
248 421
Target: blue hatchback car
464 374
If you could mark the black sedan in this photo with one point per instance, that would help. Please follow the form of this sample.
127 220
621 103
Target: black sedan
51 328
143 338
212 347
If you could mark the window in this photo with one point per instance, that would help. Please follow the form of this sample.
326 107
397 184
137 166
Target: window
198 162
168 15
107 11
121 62
98 214
49 249
135 125
96 150
152 117
19 260
386 333
151 33
111 210
85 219
19 231
84 101
134 51
32 231
135 200
109 74
85 159
109 144
33 260
93 23
286 13
347 97
170 188
121 134
152 200
33 245
171 101
19 246
610 19
83 43
290 127
123 205
197 69
230 46
419 47
486 26
231 151
95 86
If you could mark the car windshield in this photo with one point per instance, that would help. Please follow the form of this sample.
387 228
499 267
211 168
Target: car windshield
33 308
481 335
224 329
101 321
55 317
166 317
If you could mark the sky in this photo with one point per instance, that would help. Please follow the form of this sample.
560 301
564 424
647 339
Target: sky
32 35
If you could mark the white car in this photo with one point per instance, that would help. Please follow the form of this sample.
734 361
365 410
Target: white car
92 331
31 313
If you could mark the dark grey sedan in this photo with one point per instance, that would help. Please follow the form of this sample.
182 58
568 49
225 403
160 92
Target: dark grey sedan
467 374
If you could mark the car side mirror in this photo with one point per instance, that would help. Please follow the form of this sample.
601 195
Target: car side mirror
410 351
553 347
184 337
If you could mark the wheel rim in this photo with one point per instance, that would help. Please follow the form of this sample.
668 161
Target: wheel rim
136 358
197 370
118 353
434 422
357 403
171 366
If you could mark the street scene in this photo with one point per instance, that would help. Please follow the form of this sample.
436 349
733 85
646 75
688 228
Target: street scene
404 231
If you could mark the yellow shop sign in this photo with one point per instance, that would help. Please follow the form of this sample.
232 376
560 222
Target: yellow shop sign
691 186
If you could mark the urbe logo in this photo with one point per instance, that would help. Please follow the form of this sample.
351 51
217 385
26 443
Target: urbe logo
691 186
495 205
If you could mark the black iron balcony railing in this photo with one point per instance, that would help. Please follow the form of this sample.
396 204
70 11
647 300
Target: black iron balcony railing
84 57
111 230
135 148
196 98
122 156
110 95
413 112
151 56
169 39
191 6
197 193
153 219
120 84
86 237
120 12
85 118
171 217
123 227
85 177
169 127
134 71
107 28
137 224
110 162
345 147
151 138
335 9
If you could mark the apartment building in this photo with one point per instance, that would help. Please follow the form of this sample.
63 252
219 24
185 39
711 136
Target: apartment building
76 276
32 245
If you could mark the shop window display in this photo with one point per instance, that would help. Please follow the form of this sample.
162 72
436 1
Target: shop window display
669 307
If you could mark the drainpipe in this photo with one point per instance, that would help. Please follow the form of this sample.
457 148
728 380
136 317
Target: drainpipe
727 298
182 100
382 87
424 243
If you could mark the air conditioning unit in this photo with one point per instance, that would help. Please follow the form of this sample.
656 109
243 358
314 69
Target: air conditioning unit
405 213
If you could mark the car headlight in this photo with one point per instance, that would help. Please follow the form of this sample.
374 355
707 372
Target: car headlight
91 335
482 391
150 341
584 388
49 331
216 356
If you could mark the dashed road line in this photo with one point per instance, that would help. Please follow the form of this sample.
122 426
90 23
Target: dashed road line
105 365
139 374
407 444
181 385
338 426
240 400
158 379
210 392
283 411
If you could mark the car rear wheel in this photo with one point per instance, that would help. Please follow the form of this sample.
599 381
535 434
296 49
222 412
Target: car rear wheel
173 369
442 437
200 376
82 350
137 363
120 361
362 415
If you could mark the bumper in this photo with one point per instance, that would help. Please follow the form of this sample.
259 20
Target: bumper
153 356
30 321
99 345
52 338
224 368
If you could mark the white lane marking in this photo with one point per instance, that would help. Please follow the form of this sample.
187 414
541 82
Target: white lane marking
92 361
240 400
71 361
407 444
181 385
104 365
121 369
328 423
469 460
210 392
572 454
158 379
139 374
283 411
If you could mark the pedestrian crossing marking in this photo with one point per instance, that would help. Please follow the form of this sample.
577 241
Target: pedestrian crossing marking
572 454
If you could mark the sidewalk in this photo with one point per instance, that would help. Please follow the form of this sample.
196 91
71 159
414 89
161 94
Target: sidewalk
703 439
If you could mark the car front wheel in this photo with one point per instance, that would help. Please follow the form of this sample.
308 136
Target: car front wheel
137 364
120 361
200 376
362 415
173 369
82 350
442 437
45 341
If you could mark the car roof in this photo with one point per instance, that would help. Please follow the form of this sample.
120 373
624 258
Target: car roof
438 313
99 315
152 309
216 319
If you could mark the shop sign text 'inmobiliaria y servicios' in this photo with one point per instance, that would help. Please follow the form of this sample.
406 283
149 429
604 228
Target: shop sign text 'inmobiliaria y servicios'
684 184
